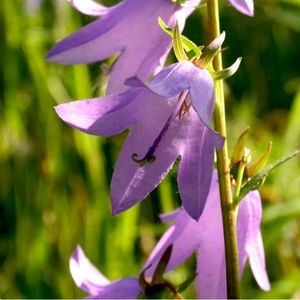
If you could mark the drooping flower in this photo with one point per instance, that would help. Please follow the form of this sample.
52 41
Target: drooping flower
131 28
91 281
206 237
169 118
244 6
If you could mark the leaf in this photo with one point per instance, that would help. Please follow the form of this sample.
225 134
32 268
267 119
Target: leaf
257 181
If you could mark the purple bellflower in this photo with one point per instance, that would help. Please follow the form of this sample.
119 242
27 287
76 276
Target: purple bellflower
129 27
169 117
206 237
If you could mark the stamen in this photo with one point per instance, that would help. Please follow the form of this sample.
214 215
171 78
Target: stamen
149 156
184 109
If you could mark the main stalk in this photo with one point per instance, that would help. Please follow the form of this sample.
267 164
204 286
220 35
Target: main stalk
228 211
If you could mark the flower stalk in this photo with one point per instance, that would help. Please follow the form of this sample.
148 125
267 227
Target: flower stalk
228 211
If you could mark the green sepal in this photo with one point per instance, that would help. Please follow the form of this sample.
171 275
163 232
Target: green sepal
256 166
257 181
192 50
161 266
211 50
238 150
177 45
225 73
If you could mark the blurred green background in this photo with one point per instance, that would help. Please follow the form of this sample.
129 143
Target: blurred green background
54 181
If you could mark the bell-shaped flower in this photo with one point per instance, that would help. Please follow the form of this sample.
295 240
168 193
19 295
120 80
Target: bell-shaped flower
129 28
207 239
244 6
168 118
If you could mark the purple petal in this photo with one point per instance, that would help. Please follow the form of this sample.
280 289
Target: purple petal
182 236
167 217
84 45
132 183
196 166
104 116
244 6
90 280
211 278
127 288
117 31
182 76
250 211
90 7
85 275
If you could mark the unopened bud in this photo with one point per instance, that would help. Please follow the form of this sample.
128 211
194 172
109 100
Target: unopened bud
239 148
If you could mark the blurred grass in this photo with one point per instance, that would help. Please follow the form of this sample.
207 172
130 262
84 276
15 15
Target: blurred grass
54 181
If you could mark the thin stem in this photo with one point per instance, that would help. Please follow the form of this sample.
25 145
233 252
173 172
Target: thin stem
228 212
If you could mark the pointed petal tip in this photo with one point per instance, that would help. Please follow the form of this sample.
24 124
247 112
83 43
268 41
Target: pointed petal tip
194 213
223 35
266 286
117 209
245 7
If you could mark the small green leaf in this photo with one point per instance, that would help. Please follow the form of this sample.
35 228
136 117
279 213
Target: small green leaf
228 71
257 181
177 45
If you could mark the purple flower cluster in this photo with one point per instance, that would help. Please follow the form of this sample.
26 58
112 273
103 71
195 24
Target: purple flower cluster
168 118
187 236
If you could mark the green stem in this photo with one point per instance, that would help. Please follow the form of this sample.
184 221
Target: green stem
228 212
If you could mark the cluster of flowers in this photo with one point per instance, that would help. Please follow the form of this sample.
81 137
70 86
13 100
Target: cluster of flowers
168 117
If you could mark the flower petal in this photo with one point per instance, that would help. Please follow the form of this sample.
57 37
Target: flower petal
182 76
211 278
90 280
167 217
85 275
86 45
130 182
127 288
250 209
104 116
244 6
117 31
182 235
90 7
196 166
